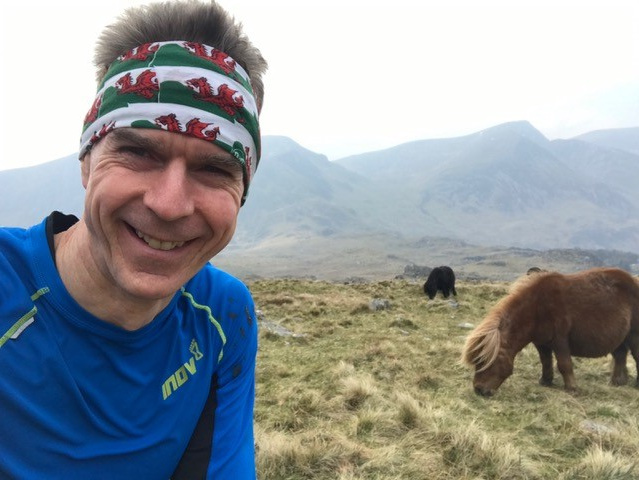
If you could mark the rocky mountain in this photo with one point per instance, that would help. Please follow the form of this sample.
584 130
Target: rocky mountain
506 186
509 185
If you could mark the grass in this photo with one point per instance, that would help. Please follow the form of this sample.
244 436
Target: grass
360 393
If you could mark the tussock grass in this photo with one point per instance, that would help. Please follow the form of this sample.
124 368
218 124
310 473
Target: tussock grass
600 464
357 390
381 394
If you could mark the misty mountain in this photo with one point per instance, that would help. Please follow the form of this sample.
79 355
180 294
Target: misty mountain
507 185
31 193
600 164
620 138
297 193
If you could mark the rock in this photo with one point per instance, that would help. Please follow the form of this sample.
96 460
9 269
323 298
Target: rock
379 304
416 271
597 428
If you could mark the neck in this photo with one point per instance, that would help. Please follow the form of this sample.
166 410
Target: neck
518 334
83 277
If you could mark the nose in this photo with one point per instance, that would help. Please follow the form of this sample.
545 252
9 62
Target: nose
169 194
483 392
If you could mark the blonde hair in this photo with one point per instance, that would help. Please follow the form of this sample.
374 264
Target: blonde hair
482 345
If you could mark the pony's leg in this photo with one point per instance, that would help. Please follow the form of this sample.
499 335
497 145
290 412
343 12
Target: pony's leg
633 343
620 370
564 365
545 357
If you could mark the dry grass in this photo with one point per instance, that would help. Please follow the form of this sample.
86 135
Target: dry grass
380 394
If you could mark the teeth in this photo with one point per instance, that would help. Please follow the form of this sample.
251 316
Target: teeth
158 244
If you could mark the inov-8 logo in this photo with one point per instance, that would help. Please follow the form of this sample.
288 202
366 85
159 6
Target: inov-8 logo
182 374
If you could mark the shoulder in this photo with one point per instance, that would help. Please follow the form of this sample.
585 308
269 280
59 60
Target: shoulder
17 243
14 252
222 295
231 313
11 238
214 283
15 277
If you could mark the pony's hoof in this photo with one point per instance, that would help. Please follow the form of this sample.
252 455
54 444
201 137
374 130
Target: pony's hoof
545 382
619 381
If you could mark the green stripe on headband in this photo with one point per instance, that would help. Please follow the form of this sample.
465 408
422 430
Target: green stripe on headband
169 53
180 87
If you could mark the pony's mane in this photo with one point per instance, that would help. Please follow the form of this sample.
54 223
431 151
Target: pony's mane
482 345
526 280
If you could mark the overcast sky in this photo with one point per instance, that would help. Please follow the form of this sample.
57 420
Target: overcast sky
350 76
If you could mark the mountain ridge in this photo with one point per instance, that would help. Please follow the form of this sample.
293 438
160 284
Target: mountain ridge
505 186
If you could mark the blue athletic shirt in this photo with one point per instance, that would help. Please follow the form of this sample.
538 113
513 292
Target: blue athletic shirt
84 399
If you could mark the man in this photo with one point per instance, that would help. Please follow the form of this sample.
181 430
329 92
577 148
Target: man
124 354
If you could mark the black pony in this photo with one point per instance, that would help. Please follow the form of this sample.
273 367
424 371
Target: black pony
442 279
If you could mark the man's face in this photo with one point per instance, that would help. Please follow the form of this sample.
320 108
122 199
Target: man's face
158 207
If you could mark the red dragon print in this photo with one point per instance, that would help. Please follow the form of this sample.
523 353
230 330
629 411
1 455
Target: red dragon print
140 53
221 59
146 85
106 128
170 122
92 114
194 127
224 98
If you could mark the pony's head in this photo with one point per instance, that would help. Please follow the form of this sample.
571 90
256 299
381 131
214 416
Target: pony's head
492 363
430 287
431 290
489 378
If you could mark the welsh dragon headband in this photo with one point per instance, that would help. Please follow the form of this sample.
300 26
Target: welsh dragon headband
180 87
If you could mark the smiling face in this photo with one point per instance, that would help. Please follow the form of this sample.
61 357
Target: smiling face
158 207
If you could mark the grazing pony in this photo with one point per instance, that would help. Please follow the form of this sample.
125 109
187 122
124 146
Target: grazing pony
586 314
440 279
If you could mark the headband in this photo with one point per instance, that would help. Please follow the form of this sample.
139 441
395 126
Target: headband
180 87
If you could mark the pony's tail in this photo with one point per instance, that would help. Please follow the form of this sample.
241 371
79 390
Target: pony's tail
481 349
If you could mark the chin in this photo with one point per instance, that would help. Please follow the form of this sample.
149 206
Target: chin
152 287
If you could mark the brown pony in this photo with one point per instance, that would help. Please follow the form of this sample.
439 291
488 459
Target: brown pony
586 314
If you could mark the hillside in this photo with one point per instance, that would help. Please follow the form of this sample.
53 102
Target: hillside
364 381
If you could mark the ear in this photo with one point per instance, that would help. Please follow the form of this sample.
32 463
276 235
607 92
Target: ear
85 166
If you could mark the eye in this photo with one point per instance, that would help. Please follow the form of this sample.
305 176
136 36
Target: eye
216 170
139 157
135 151
222 171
